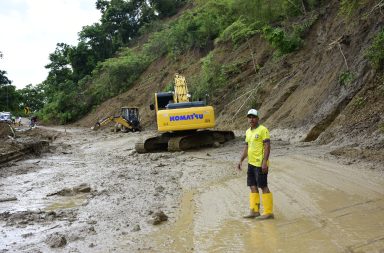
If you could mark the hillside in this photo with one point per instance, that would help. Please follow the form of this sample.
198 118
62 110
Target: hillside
327 91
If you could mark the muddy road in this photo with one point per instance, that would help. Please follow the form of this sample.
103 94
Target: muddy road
93 193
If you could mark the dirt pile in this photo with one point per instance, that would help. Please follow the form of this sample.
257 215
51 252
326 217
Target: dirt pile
5 131
26 141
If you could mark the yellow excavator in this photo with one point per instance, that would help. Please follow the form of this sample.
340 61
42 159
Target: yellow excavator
128 120
182 124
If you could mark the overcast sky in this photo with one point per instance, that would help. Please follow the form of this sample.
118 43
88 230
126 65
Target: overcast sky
30 30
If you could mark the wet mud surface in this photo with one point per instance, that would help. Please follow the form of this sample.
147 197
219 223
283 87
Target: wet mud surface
91 192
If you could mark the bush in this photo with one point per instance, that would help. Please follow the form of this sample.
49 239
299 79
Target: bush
211 77
239 31
64 108
194 29
359 102
346 78
169 87
284 43
376 52
348 7
116 75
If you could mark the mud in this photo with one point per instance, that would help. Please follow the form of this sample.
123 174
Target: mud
93 193
18 142
5 130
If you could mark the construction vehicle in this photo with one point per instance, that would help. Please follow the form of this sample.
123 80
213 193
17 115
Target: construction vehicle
128 120
182 124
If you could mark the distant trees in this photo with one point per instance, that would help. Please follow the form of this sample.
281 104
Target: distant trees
32 96
3 78
7 91
9 98
68 95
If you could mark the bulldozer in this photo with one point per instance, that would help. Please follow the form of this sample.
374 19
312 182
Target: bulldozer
128 120
182 124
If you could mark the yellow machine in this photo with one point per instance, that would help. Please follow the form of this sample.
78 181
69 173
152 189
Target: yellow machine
128 120
182 122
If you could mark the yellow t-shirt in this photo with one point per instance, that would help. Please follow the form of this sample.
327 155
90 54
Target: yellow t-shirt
255 139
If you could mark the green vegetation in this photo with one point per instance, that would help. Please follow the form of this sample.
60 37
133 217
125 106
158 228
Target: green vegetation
239 31
376 52
169 87
9 98
233 69
13 100
104 64
359 102
211 77
349 7
346 78
284 43
116 75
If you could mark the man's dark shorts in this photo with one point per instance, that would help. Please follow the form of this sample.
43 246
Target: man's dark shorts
255 177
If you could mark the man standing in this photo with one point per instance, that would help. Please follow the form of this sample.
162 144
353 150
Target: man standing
257 149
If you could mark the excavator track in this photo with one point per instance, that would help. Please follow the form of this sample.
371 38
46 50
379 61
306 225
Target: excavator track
152 144
179 142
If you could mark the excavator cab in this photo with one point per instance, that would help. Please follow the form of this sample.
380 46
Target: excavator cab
131 115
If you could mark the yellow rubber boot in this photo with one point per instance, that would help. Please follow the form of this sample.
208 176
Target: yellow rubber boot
254 205
267 200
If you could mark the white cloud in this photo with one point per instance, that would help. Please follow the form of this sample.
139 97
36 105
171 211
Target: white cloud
31 29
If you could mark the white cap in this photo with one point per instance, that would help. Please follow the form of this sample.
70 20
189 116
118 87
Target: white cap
252 112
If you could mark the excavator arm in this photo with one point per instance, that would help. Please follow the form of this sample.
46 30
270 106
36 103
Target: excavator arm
102 122
181 90
118 120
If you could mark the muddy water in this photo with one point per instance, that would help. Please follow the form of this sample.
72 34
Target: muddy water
320 206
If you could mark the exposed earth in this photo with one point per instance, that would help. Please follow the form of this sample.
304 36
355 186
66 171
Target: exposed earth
91 192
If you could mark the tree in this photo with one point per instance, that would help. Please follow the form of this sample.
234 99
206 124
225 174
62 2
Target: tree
82 59
60 70
3 78
97 40
8 95
32 96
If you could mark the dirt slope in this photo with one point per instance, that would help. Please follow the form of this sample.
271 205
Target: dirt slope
299 96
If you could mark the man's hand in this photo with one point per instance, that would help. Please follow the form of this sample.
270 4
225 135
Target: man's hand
264 167
239 165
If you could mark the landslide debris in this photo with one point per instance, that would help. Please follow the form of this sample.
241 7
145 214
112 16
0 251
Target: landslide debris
5 131
18 144
326 92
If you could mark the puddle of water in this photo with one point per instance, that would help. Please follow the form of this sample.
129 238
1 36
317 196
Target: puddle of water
211 222
66 202
177 237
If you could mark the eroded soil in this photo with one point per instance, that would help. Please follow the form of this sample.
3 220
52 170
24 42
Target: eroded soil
93 193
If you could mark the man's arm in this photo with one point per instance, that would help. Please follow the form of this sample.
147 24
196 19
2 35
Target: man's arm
267 150
243 156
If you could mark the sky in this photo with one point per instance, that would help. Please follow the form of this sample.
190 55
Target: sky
30 30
